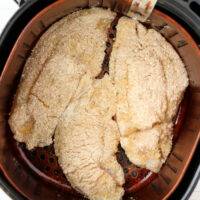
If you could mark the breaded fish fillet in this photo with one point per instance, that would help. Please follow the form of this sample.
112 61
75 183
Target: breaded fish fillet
68 49
150 80
149 148
86 141
139 78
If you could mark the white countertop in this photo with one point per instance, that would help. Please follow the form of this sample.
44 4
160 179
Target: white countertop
7 8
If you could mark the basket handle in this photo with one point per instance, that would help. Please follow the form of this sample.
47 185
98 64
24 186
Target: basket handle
139 9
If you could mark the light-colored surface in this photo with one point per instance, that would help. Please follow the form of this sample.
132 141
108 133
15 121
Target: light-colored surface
7 8
86 151
196 193
149 148
150 79
62 55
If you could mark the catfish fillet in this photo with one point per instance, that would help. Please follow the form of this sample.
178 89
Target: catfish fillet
150 80
86 141
52 73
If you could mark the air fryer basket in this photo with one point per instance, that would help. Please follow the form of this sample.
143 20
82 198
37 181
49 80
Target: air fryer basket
36 174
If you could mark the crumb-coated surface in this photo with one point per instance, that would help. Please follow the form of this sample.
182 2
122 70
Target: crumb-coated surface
150 79
68 49
86 141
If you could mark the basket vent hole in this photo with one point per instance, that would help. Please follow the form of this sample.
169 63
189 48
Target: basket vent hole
42 157
126 170
51 160
34 153
111 36
46 148
195 7
108 44
129 162
64 176
134 174
56 172
114 27
47 168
